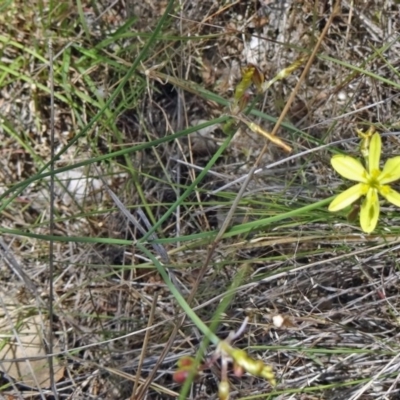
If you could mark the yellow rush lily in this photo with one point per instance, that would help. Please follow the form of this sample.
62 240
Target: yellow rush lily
371 180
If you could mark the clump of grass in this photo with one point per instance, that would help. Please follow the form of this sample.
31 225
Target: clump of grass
162 248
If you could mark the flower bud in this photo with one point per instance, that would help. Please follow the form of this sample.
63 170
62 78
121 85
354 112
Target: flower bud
254 367
257 78
223 390
180 375
185 361
238 370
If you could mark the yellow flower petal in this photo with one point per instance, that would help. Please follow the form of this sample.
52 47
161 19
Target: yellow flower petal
374 153
348 197
390 172
390 195
349 168
369 213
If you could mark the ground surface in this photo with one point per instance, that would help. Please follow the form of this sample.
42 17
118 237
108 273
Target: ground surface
122 98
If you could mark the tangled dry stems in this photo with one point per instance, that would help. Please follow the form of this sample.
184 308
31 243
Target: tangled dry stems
336 291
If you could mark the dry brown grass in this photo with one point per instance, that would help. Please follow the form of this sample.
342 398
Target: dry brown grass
337 290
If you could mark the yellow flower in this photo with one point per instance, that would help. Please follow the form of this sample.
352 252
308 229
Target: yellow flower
371 180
